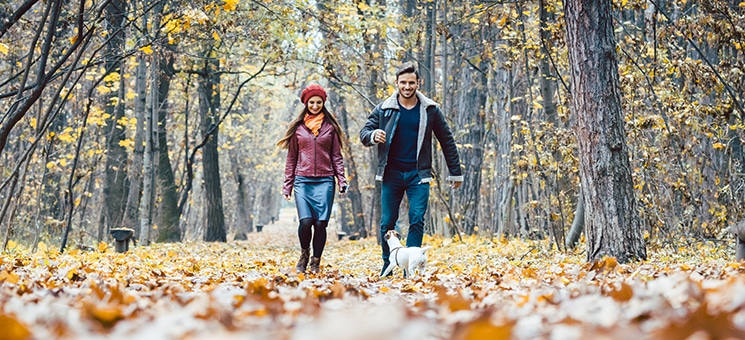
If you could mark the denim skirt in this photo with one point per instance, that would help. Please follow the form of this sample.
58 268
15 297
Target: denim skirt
314 197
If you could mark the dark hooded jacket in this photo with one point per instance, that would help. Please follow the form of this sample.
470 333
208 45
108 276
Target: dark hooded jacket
431 120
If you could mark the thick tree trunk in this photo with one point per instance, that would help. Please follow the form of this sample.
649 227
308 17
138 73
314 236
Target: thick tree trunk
168 212
115 178
209 101
612 224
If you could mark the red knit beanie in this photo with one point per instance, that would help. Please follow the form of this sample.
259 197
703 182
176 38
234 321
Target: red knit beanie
313 90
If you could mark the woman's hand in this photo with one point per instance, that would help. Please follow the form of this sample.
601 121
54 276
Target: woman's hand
343 190
287 197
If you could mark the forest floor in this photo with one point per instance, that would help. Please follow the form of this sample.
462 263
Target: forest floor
476 289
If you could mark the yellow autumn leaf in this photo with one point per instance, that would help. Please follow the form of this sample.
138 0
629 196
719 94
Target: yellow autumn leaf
230 5
9 277
42 247
718 146
474 21
147 49
215 36
103 89
33 123
111 77
102 246
3 49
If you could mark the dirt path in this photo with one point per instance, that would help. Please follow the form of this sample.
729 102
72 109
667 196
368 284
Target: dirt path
283 232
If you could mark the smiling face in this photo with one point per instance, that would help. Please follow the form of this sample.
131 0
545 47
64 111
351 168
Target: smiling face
407 84
315 105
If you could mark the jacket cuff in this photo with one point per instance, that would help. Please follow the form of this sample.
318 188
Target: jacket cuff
455 178
372 136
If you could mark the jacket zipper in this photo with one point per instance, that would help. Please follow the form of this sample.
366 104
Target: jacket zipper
315 158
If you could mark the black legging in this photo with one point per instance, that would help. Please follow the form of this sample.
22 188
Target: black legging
319 236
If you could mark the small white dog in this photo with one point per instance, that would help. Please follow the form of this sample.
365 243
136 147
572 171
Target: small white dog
407 258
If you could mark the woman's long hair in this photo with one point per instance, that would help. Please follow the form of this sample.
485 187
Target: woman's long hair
284 143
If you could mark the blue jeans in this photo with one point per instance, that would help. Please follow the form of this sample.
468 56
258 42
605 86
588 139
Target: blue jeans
395 184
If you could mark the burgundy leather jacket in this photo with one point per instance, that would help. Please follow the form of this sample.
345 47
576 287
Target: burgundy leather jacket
314 156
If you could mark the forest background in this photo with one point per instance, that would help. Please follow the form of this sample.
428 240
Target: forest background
162 116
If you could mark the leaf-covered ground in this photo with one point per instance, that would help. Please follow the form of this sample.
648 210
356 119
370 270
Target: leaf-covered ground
476 289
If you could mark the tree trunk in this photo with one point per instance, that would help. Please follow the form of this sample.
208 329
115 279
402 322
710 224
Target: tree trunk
168 212
372 48
548 86
241 221
577 225
149 162
430 40
612 224
468 126
115 177
354 194
209 101
135 171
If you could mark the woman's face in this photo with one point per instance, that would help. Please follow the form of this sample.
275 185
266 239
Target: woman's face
315 104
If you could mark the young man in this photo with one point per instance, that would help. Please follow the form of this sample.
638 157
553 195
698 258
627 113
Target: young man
402 127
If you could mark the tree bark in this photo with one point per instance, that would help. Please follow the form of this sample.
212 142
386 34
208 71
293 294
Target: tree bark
577 225
135 170
115 191
612 224
468 126
168 211
354 194
209 101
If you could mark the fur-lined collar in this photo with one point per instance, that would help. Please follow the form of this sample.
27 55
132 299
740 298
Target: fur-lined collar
392 101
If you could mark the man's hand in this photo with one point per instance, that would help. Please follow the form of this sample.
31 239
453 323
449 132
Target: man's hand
379 136
287 197
455 184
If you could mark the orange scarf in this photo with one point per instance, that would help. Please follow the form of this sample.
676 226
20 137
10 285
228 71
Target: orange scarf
313 122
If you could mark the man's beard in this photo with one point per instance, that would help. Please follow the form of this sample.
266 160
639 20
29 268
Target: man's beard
411 94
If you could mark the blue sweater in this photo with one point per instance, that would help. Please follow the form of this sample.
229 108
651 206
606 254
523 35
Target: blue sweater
402 156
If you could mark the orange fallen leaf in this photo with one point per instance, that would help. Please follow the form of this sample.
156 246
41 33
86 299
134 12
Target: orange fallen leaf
482 328
106 316
12 328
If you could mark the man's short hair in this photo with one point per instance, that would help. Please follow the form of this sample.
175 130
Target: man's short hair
408 67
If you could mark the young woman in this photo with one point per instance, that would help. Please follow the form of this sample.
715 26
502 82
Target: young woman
313 143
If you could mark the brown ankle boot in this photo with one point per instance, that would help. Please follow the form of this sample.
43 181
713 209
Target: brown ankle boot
315 264
302 263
